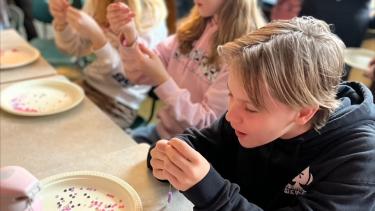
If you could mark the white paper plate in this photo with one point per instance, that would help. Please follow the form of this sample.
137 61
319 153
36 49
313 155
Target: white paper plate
40 97
358 57
88 190
16 56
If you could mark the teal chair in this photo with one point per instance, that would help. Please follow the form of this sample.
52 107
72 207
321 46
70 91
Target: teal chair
45 45
15 17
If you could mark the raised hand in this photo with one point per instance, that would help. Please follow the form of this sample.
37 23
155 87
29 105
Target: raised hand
143 66
120 18
58 9
180 164
86 26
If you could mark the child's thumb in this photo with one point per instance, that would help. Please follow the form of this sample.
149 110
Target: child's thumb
146 50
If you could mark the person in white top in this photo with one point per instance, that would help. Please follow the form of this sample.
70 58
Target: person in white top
86 31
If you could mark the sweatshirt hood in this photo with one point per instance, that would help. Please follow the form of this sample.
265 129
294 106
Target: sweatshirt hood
356 108
356 111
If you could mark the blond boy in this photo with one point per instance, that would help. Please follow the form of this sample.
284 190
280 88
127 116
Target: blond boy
293 138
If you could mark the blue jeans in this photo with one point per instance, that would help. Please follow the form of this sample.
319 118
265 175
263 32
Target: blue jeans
146 134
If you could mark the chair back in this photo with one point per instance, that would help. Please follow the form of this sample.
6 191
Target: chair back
16 17
41 11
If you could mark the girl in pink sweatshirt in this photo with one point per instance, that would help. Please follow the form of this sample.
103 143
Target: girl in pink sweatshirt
184 69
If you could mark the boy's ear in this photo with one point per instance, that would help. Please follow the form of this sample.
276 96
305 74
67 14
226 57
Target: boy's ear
305 114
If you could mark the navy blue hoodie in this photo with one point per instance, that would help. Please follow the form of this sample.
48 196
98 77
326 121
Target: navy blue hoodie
330 170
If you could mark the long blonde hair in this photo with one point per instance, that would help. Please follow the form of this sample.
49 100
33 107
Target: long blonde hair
148 12
230 26
299 62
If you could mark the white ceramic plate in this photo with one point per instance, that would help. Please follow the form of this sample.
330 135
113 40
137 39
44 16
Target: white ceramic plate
358 57
88 190
40 97
16 56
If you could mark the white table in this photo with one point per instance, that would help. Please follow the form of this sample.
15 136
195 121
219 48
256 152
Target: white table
39 68
83 138
81 132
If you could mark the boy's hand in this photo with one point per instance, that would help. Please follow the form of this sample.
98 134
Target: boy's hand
183 167
158 158
120 18
143 66
58 9
86 26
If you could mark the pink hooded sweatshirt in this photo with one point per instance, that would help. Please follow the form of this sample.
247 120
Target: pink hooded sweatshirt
196 94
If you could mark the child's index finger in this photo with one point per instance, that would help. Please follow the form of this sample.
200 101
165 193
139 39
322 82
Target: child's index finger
114 6
161 145
184 149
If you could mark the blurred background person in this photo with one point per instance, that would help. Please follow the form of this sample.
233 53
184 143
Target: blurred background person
86 31
350 18
26 7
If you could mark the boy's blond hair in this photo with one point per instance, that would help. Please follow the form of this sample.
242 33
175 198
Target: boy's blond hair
148 13
299 62
235 18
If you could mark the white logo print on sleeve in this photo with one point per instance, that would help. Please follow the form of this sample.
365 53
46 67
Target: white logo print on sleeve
299 183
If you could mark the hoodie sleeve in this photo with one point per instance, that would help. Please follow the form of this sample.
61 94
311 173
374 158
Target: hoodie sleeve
71 43
166 48
107 62
214 192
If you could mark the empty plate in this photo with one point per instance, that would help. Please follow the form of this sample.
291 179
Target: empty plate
16 56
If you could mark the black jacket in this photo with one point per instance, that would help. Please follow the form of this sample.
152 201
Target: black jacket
337 164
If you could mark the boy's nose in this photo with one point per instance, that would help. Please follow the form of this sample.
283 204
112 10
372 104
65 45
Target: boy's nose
232 114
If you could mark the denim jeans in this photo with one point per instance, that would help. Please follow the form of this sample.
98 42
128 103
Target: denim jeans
146 134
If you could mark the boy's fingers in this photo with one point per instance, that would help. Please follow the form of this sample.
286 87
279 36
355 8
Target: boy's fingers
155 154
173 169
161 145
159 174
177 159
156 163
184 149
171 178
